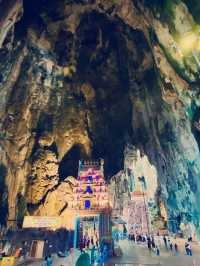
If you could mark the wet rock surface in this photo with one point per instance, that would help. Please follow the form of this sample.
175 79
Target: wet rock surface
84 79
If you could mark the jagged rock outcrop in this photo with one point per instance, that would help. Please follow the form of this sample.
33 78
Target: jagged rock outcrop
81 79
61 195
11 12
43 177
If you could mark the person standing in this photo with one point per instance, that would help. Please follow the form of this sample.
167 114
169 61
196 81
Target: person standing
124 231
49 261
186 248
88 243
101 260
97 243
93 255
81 247
176 249
171 246
92 241
165 241
153 243
84 241
189 250
44 263
83 260
149 245
157 251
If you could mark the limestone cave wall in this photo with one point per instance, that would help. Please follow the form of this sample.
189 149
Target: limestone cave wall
86 78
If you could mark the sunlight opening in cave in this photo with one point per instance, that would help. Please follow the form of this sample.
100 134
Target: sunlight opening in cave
189 42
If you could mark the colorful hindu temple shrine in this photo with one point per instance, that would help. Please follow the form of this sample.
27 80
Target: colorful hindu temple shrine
91 191
88 211
91 201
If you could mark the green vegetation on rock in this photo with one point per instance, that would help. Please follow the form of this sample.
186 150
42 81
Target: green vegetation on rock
164 7
194 7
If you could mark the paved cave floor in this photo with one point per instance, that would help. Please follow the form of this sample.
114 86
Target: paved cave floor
138 255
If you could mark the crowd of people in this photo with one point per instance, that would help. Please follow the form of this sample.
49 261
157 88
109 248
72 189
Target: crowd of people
155 243
96 253
88 242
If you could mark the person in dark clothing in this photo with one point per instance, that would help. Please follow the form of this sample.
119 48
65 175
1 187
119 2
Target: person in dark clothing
153 243
149 245
176 249
92 254
88 243
165 241
186 248
171 246
92 241
81 246
83 260
84 242
157 251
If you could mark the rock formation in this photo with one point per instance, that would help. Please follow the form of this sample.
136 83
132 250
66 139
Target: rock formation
86 78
